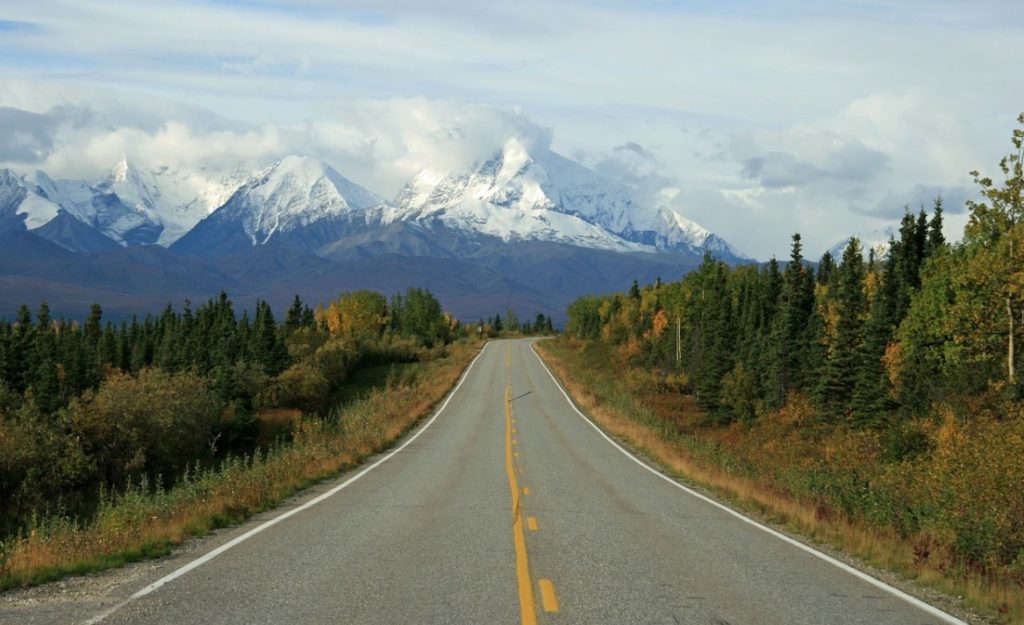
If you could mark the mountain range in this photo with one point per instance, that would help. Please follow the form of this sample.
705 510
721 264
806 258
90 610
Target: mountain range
525 229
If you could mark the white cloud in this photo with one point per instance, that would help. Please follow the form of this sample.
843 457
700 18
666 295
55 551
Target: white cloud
380 144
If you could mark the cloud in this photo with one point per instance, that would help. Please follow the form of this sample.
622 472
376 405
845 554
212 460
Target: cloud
380 144
851 162
894 203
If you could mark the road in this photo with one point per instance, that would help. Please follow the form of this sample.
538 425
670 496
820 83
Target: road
507 507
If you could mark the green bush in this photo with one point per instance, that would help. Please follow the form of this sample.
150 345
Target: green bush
301 386
39 463
153 423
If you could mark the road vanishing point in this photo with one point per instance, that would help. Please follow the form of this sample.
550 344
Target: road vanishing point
506 506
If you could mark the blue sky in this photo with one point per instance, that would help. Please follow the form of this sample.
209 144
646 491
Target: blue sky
760 117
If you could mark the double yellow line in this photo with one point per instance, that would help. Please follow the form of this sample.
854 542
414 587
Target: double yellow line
527 607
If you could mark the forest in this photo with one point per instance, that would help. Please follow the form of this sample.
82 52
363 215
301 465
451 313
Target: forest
86 408
881 389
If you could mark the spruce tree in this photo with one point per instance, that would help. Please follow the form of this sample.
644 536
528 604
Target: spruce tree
789 340
826 268
836 384
44 382
936 240
293 318
871 393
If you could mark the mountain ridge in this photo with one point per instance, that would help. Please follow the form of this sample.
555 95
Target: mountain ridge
526 228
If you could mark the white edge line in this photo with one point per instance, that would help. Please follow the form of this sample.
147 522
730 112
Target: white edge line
281 517
877 583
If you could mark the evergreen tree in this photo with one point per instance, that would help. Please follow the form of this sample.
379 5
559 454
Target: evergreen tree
715 331
20 351
267 348
871 393
790 349
826 268
836 383
936 240
293 318
44 381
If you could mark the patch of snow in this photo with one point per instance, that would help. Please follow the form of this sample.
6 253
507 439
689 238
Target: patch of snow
877 240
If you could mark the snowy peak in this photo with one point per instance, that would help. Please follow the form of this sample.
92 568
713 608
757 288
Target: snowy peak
22 203
506 196
532 193
307 188
875 240
297 200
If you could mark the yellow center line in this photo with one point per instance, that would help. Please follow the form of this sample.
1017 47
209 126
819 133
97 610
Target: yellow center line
547 596
526 490
531 522
527 607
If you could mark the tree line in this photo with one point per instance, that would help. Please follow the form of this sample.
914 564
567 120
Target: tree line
87 406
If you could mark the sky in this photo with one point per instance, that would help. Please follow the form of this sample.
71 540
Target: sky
758 119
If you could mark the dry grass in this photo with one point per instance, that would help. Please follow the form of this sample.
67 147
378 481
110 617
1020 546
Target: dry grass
666 429
147 521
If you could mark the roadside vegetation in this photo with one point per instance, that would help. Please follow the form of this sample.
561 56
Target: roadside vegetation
872 402
119 441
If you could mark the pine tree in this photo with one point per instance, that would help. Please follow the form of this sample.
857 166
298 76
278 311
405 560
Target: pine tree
836 384
871 394
20 352
268 350
293 318
936 240
826 268
715 331
44 381
796 303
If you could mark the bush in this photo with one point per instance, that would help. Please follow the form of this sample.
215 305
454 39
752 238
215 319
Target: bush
300 386
39 463
740 393
154 423
335 360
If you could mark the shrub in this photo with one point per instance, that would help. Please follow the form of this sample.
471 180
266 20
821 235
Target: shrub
740 393
38 462
153 423
300 386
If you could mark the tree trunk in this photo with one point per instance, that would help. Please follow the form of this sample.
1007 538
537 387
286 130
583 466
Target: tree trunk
1011 373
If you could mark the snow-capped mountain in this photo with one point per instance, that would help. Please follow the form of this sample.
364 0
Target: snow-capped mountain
177 198
524 194
297 199
877 240
132 205
21 205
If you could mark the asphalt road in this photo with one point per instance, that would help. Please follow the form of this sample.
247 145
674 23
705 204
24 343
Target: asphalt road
508 507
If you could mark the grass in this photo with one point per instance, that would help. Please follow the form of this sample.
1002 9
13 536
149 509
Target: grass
665 427
146 521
